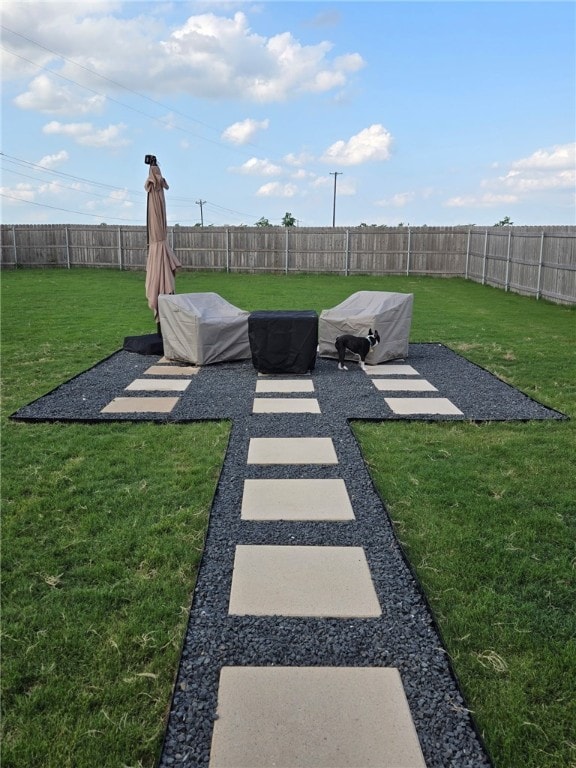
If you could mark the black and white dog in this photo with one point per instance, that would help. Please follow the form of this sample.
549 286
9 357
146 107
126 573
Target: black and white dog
358 345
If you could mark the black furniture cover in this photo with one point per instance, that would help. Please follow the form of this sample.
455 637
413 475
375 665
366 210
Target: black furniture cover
150 344
283 341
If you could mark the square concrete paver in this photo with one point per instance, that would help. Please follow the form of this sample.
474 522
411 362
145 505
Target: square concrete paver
330 582
313 717
291 450
284 385
408 406
389 369
285 405
140 405
159 385
403 385
296 500
171 370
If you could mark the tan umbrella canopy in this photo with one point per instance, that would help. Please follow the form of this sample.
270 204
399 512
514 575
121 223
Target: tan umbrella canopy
162 263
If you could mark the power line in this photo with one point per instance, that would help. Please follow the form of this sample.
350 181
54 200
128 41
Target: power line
127 106
102 77
67 210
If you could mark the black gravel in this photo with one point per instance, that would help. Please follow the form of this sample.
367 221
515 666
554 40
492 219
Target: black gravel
226 391
405 636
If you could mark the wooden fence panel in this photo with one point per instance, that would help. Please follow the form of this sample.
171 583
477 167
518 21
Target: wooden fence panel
378 251
558 278
535 261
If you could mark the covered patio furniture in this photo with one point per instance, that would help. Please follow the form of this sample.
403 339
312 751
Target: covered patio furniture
203 328
388 313
283 341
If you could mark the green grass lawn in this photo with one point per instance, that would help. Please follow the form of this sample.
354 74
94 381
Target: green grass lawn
103 524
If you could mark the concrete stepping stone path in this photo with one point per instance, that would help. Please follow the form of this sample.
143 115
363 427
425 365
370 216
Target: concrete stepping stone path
300 717
307 655
296 500
422 406
313 717
291 450
309 643
141 405
302 581
285 405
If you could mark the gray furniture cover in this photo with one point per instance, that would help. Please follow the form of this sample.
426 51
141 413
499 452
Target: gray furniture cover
203 328
388 313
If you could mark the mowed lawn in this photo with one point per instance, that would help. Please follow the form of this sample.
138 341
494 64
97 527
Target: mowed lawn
104 524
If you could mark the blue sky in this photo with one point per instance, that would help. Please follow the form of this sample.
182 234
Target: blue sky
437 113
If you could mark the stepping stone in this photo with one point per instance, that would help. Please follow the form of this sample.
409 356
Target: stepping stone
159 385
313 717
284 385
291 450
408 406
141 405
332 582
171 370
296 500
403 385
390 370
285 405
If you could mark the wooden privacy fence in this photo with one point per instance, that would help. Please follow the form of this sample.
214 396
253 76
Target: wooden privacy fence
534 261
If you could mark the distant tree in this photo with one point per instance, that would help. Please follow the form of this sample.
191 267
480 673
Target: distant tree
262 222
288 220
505 222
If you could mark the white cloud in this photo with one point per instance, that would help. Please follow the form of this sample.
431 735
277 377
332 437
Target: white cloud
24 192
244 131
277 189
52 161
539 182
398 200
87 135
370 145
47 96
544 170
480 201
258 167
298 159
210 55
561 157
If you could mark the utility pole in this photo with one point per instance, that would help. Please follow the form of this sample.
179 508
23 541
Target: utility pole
335 174
201 203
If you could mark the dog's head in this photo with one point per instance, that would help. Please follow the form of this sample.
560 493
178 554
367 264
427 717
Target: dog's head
373 337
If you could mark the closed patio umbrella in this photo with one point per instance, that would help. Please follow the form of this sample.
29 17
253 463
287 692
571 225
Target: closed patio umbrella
162 263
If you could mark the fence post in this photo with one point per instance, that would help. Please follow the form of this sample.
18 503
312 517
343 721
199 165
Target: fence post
408 254
507 281
347 261
227 250
484 261
67 248
286 252
119 248
466 268
14 245
539 286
